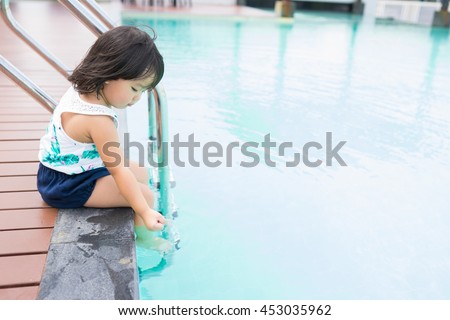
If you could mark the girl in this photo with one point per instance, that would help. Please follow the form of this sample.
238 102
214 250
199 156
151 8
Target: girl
76 167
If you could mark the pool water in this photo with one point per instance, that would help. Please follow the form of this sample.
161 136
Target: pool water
374 229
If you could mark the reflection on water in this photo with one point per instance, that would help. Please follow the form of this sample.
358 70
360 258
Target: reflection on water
376 229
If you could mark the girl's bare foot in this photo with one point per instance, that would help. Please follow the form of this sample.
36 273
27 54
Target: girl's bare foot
149 240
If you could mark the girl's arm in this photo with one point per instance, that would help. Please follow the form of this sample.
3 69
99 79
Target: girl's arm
104 134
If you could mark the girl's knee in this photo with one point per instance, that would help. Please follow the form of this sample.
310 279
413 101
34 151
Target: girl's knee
140 173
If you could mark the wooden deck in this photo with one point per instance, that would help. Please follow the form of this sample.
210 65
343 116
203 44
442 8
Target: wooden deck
26 222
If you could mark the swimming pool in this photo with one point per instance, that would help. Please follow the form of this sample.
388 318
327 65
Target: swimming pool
374 229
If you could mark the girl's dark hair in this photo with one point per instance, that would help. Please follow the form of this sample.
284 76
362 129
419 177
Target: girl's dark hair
122 53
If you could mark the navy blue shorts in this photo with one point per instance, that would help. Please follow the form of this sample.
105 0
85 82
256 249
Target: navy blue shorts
65 191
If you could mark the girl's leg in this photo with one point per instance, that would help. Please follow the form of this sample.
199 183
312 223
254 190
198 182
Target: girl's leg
140 173
143 236
106 194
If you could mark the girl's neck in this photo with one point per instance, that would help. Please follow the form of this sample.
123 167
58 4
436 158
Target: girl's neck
93 98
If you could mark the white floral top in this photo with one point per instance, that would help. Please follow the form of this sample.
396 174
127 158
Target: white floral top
58 151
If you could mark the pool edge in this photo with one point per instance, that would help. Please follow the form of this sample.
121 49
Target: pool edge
92 256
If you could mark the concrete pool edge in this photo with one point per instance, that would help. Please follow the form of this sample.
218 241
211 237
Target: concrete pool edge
92 256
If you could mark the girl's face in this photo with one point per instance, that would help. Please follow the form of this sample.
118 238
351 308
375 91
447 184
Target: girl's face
124 93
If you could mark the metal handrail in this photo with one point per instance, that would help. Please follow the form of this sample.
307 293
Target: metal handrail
29 86
85 16
99 12
18 30
157 109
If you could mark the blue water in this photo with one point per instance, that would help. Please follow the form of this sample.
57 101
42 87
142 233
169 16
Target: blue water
374 229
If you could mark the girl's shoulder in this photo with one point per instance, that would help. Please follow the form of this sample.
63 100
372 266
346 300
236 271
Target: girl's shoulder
71 102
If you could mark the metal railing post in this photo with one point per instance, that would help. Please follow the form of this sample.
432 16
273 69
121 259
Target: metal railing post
99 12
29 86
85 16
158 124
18 30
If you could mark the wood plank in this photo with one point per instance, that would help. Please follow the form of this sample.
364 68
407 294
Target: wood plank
23 126
21 270
21 200
18 169
19 293
18 102
22 183
20 135
28 218
21 110
14 92
27 241
19 145
19 155
26 118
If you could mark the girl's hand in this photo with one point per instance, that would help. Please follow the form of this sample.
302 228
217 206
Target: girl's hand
153 219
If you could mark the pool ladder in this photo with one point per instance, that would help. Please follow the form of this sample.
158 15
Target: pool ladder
98 22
